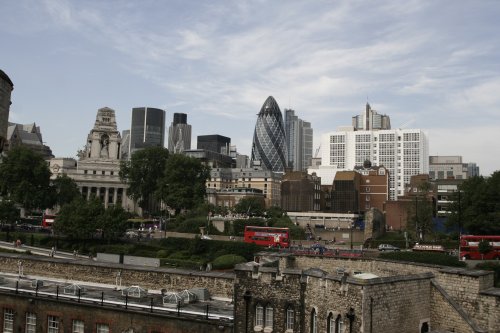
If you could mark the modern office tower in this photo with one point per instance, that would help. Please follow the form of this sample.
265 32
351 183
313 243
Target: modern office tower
403 152
371 120
147 129
216 143
472 170
6 87
299 141
269 142
179 134
447 167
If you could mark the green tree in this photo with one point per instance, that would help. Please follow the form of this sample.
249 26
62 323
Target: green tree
183 185
113 222
9 213
143 172
252 206
484 247
420 213
80 218
66 190
25 179
476 206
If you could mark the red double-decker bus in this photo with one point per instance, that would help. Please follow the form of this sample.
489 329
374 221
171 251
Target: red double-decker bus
469 247
48 220
267 236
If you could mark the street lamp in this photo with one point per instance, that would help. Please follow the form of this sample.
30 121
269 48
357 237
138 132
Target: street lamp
352 227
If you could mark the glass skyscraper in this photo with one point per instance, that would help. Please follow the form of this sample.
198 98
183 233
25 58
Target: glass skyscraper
269 144
147 129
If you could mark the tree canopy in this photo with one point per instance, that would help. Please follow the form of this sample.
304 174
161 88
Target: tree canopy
183 184
252 206
9 213
420 213
66 190
142 173
79 218
25 179
476 206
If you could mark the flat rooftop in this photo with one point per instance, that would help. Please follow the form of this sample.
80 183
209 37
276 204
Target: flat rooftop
112 295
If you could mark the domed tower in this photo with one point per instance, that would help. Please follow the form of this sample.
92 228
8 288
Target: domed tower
269 144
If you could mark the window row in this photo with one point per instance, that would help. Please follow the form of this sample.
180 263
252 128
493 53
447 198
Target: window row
53 324
94 172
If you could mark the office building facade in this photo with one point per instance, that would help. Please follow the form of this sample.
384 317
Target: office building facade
403 152
179 134
447 167
269 141
216 143
147 129
299 141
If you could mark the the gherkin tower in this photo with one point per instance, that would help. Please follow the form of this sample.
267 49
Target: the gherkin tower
269 144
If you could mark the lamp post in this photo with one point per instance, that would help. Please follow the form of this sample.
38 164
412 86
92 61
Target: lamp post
416 219
352 227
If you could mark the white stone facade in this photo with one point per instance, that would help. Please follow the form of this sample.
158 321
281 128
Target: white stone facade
97 171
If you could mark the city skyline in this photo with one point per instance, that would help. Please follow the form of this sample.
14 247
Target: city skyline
217 61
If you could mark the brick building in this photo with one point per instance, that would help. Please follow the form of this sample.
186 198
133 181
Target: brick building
301 192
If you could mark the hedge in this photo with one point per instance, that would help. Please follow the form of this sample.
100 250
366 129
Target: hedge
441 259
227 261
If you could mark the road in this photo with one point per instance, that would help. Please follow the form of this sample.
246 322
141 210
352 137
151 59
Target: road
42 251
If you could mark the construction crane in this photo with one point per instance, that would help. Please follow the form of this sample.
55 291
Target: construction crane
316 153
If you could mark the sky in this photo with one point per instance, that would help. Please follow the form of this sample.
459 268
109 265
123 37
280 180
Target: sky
432 65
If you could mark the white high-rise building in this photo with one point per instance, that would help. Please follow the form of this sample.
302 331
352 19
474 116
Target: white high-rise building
404 152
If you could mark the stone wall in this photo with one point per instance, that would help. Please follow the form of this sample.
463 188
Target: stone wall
266 287
470 290
447 315
218 283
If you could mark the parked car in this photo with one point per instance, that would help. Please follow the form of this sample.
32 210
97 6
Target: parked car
132 234
388 247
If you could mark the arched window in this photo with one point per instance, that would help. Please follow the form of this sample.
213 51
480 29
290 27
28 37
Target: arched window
259 315
330 323
339 324
290 318
269 317
314 321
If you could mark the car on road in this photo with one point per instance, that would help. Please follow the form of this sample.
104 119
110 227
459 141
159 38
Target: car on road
388 247
132 234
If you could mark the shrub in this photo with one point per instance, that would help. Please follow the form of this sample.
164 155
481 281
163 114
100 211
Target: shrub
180 263
180 255
162 254
227 261
441 259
